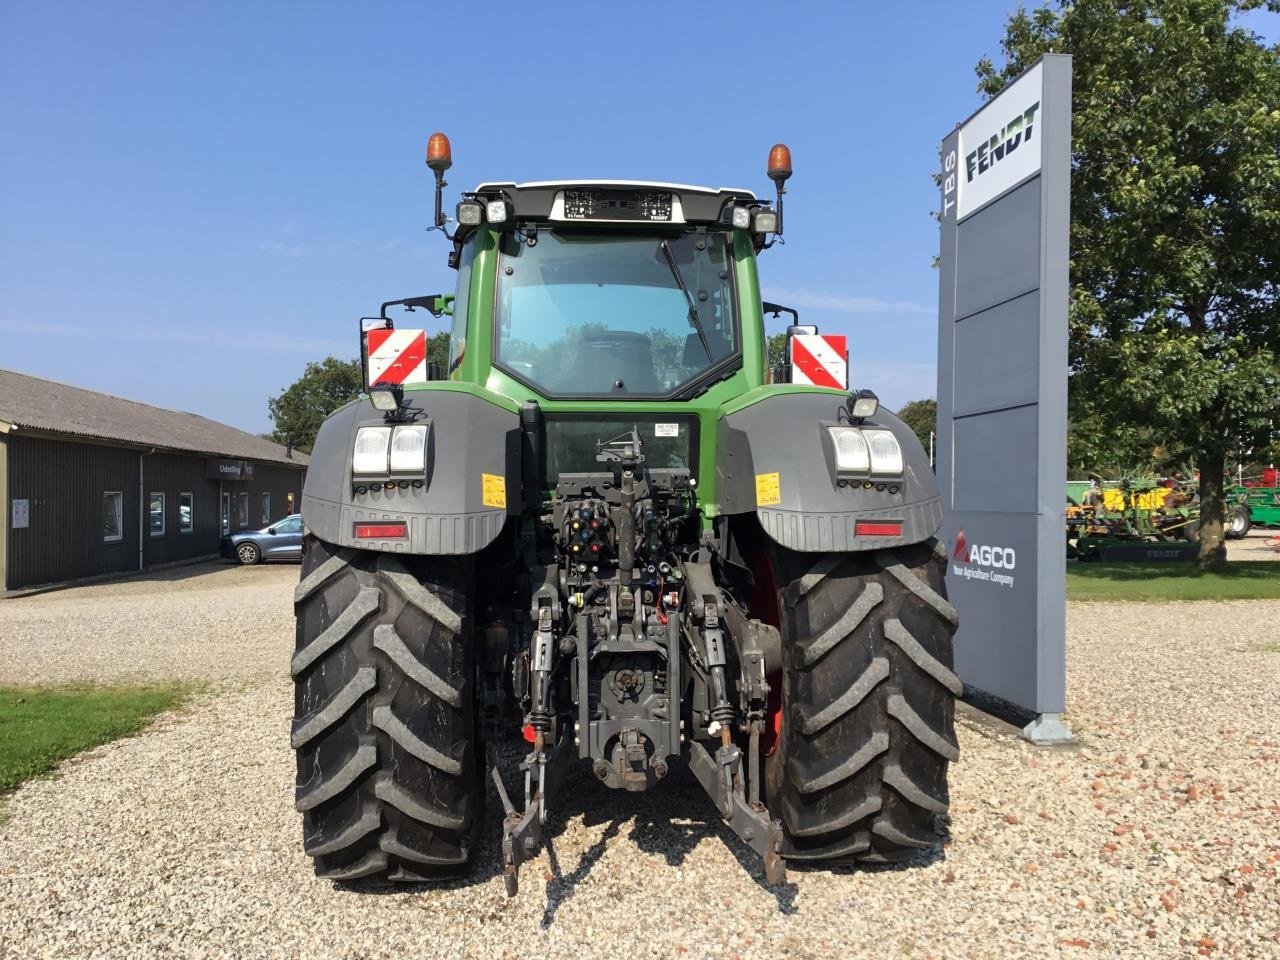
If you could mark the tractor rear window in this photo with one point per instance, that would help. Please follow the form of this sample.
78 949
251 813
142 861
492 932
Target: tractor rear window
595 313
574 442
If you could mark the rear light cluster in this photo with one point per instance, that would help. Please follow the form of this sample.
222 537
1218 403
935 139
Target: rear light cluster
877 528
387 530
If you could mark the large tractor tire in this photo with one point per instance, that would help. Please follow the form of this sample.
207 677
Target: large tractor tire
868 704
390 772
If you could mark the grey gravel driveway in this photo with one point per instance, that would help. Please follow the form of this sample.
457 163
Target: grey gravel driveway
1159 836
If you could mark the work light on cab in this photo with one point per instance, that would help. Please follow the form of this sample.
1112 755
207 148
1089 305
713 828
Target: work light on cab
469 213
495 211
765 221
740 217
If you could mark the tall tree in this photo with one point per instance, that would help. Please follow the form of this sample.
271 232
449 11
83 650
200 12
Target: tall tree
302 406
323 387
922 417
1175 232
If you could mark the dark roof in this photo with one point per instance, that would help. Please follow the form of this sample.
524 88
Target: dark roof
36 404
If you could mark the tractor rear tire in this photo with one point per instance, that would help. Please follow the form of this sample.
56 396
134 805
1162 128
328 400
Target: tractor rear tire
390 770
868 705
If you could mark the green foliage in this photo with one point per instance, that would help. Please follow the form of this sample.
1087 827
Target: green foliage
300 409
1175 208
438 349
40 726
776 350
922 417
1162 582
323 387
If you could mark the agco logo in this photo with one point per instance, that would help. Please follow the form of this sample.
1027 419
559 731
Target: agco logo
997 558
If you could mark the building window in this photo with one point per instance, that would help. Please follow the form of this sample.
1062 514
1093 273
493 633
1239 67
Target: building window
112 519
155 514
186 512
266 509
289 505
242 510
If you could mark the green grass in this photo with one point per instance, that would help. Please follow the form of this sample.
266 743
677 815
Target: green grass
1161 582
40 726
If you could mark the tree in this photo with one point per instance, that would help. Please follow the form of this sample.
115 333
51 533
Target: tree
776 350
323 387
1175 209
922 417
300 409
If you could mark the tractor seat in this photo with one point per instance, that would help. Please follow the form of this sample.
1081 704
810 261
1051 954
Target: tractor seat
605 357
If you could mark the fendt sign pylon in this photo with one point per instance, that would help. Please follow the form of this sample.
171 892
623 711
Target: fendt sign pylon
1002 392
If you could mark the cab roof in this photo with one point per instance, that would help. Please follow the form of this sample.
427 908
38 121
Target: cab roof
681 203
621 184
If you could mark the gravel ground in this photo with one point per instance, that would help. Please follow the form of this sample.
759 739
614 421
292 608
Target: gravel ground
1253 546
210 621
1159 836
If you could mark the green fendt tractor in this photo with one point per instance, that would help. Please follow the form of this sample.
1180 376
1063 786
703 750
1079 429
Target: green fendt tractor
609 528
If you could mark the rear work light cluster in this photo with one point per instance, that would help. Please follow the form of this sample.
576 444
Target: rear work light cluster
390 451
865 452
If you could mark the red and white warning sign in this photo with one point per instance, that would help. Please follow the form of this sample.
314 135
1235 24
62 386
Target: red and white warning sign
396 356
820 360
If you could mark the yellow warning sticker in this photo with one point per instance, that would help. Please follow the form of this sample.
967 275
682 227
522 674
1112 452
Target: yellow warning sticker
768 490
493 490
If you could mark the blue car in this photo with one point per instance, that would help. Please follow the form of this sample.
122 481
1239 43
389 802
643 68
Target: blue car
280 541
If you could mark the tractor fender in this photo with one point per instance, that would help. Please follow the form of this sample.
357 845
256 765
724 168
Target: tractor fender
471 485
774 457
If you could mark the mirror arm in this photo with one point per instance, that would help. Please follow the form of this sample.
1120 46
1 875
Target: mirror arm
774 310
433 304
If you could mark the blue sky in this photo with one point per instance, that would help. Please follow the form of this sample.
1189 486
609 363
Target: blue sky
198 198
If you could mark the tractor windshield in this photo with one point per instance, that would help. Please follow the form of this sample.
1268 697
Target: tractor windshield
596 313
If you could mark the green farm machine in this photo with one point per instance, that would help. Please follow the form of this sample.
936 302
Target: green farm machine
1254 502
1131 520
606 528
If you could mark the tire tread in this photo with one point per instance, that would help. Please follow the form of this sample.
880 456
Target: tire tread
869 730
389 778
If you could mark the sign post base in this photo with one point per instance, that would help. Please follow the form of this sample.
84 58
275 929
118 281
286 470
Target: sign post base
1047 729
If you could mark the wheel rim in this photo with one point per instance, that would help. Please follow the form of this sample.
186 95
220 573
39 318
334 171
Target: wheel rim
1237 524
247 553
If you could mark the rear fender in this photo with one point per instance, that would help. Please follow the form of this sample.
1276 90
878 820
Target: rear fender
471 487
783 438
